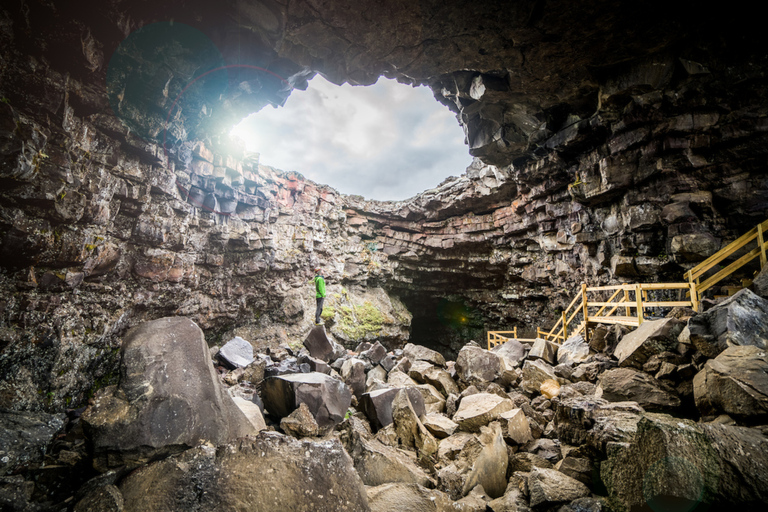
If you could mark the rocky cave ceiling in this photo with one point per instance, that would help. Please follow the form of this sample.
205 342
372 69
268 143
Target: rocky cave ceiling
617 141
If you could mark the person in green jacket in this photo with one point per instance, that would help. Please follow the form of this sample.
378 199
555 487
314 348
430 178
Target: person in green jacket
319 295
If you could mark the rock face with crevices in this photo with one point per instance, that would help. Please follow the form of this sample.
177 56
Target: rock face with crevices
672 459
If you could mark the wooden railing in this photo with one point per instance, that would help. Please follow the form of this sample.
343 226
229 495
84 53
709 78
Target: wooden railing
604 305
633 299
499 337
695 275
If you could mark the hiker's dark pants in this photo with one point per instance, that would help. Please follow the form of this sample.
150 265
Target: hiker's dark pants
319 310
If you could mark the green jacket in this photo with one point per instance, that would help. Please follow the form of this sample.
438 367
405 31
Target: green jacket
319 286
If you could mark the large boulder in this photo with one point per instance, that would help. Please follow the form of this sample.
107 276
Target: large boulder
629 385
411 432
377 463
738 320
236 353
477 366
734 383
595 421
420 353
512 350
515 426
549 486
652 337
353 373
534 375
478 410
544 349
677 461
440 425
268 472
377 405
574 350
402 497
327 398
169 398
441 379
490 467
318 344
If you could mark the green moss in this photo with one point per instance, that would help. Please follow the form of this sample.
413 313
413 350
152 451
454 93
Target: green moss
328 313
357 323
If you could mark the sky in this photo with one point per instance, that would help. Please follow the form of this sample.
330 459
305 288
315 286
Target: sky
387 141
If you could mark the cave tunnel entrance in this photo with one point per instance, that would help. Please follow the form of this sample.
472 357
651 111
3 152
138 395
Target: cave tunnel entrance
444 324
386 141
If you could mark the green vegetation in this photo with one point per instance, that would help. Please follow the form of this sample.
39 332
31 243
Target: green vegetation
359 322
328 313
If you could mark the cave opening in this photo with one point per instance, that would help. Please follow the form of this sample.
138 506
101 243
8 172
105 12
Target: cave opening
385 141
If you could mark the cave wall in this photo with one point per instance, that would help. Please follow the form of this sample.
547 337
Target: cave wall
613 145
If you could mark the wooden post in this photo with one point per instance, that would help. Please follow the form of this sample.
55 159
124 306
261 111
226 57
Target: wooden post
626 299
489 340
515 332
565 328
694 296
639 300
761 245
584 305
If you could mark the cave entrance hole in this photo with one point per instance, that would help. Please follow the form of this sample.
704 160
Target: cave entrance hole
387 141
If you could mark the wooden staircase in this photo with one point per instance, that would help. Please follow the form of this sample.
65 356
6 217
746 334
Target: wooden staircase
605 304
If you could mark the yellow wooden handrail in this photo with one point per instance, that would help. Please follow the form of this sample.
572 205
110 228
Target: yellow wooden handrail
693 287
696 273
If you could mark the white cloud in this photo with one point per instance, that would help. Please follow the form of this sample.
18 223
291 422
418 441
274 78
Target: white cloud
385 141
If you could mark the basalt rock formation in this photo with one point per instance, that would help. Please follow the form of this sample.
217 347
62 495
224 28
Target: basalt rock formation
614 142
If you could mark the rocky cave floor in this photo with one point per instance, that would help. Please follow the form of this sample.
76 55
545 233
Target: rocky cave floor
670 416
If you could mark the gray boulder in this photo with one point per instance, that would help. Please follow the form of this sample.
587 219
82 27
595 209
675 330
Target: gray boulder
236 353
534 374
477 366
478 410
573 351
440 425
327 398
377 405
441 380
652 337
512 350
490 467
169 398
549 486
401 497
377 463
267 472
734 383
375 353
673 460
629 385
738 320
596 422
544 349
353 373
411 432
318 344
419 353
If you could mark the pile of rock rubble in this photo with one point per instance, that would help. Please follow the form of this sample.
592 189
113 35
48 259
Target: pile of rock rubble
673 414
